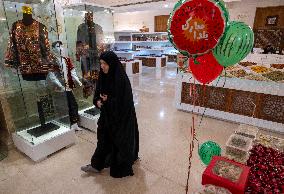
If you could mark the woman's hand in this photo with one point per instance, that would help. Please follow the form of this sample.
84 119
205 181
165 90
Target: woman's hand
104 97
99 103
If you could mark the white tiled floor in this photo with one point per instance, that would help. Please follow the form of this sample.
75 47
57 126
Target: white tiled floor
164 145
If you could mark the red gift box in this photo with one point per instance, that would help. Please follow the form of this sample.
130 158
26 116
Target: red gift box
237 184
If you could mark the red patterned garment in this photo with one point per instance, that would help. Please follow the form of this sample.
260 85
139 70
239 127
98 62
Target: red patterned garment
70 83
29 49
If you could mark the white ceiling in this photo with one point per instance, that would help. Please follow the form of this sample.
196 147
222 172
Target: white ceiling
162 4
122 2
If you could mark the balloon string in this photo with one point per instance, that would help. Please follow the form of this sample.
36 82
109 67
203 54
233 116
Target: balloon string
193 93
214 89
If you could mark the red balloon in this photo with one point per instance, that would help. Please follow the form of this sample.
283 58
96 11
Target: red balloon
205 68
197 26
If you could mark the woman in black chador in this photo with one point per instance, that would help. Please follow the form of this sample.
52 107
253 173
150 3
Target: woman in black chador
118 136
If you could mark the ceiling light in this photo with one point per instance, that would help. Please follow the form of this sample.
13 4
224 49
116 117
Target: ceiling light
166 5
162 114
42 1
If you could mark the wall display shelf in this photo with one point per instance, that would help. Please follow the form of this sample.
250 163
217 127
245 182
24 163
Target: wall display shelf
142 43
258 103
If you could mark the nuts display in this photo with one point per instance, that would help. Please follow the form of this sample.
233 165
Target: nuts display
256 77
247 131
212 189
227 170
277 66
260 69
238 73
275 76
237 148
246 64
238 142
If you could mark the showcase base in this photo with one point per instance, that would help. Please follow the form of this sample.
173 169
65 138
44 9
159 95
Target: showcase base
89 118
39 148
44 129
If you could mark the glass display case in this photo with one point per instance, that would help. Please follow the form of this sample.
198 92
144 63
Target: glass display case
89 32
34 108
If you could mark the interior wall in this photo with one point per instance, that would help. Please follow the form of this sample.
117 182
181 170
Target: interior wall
240 11
246 9
136 20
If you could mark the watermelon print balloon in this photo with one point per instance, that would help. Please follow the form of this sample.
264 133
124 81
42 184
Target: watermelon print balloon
208 150
235 45
177 5
196 26
222 5
205 68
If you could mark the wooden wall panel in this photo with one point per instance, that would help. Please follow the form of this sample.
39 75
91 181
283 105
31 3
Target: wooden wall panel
263 13
161 23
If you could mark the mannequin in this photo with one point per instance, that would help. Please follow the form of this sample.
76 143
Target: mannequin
29 49
68 76
89 40
29 52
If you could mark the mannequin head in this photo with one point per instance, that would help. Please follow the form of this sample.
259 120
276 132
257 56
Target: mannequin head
27 10
27 15
89 17
57 47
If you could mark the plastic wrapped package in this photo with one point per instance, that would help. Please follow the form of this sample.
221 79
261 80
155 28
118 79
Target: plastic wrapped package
247 131
237 148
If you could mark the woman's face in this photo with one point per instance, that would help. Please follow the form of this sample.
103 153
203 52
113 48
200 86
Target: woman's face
104 66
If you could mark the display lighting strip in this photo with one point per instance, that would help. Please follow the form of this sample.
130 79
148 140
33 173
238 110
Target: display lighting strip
137 3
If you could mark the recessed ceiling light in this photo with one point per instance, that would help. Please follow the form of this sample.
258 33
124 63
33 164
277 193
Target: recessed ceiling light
42 1
166 5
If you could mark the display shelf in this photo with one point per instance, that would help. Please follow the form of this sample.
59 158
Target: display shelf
126 31
149 33
39 148
239 100
122 42
152 61
129 42
161 41
157 46
125 52
154 49
132 67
